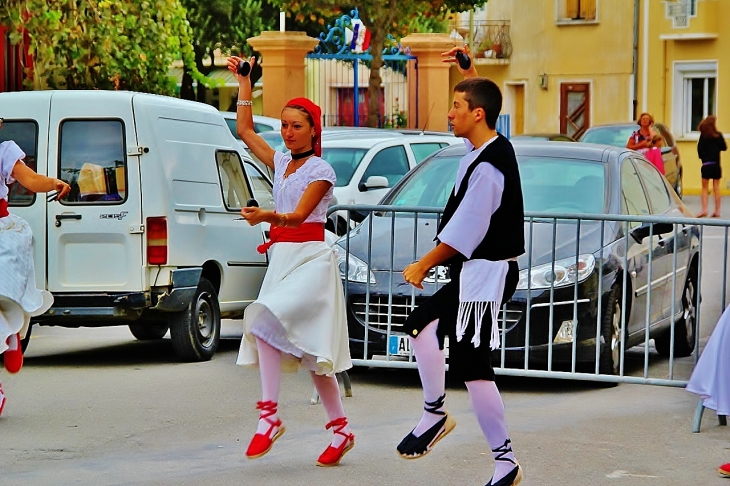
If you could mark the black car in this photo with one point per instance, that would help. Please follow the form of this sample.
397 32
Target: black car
618 134
557 177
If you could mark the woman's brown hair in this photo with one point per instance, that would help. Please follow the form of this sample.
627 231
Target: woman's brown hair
707 127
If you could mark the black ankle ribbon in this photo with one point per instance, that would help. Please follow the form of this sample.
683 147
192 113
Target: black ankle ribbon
302 155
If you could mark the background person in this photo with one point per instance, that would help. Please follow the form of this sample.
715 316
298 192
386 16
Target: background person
640 139
654 154
299 316
19 298
709 146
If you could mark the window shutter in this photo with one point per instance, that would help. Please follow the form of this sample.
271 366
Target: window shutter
588 9
571 8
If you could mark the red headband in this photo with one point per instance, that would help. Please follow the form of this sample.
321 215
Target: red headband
316 113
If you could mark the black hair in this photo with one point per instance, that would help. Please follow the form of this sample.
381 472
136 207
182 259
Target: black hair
482 93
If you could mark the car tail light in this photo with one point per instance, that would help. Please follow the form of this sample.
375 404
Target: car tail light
156 241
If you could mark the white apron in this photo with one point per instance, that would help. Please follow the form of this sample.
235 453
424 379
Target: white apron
300 310
19 298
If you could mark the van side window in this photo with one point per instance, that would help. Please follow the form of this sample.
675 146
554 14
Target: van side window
236 192
25 134
93 161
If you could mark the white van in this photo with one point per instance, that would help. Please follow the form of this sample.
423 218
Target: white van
148 236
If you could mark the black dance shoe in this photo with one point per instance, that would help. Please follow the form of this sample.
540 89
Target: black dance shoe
412 447
512 478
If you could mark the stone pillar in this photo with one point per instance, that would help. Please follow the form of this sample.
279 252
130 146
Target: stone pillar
282 55
434 98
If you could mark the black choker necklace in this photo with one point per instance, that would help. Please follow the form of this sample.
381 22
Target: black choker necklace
303 155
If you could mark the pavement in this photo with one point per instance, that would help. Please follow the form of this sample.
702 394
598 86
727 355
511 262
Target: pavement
95 407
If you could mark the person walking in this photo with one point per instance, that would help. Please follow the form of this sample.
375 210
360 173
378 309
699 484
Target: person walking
19 298
480 236
299 316
709 146
641 139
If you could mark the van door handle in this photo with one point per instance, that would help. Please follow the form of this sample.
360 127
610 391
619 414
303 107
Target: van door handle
60 217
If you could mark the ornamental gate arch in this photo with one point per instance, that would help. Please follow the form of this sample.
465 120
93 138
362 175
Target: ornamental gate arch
337 79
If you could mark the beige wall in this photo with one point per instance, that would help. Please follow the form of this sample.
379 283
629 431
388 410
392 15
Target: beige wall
705 39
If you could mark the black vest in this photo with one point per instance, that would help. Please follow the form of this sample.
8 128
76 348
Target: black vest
505 237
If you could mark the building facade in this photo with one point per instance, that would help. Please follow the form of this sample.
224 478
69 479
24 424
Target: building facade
579 63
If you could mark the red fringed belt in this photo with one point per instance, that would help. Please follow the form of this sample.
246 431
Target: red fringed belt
3 208
305 232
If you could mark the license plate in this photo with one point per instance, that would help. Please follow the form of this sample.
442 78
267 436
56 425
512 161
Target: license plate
399 345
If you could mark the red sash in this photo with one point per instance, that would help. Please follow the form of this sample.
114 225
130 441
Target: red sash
4 208
305 232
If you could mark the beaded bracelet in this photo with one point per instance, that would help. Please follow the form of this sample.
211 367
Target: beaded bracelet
244 103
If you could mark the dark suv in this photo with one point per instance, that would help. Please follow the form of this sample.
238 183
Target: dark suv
618 134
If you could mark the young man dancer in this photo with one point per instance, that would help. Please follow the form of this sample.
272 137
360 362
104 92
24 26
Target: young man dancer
480 236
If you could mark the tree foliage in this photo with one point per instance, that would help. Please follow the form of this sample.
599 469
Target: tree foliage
382 17
102 44
224 25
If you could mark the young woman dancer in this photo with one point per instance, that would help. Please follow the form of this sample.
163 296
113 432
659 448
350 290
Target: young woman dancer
19 297
299 316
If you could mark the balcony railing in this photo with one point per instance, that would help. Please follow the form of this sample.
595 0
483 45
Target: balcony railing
487 39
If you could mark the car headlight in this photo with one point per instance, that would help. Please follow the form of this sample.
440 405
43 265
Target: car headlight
356 269
566 272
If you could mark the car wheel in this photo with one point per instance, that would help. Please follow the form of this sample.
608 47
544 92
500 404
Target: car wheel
612 333
149 331
195 331
26 340
686 326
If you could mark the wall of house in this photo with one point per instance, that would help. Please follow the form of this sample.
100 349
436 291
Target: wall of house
674 45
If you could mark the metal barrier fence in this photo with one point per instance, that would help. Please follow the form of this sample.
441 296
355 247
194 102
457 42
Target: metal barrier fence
585 281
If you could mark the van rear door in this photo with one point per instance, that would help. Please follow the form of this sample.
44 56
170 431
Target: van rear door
95 234
26 123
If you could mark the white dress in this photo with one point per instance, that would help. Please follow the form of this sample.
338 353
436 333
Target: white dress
19 298
711 376
300 309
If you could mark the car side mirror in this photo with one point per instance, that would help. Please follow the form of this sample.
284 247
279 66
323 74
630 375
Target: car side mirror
374 182
658 229
252 203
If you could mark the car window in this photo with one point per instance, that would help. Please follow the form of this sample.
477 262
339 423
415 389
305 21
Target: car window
275 140
25 134
428 185
261 127
656 190
563 185
231 122
616 136
261 186
391 163
93 161
344 161
423 150
634 200
233 181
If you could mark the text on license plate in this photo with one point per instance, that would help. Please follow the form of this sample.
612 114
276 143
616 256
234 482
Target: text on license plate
399 345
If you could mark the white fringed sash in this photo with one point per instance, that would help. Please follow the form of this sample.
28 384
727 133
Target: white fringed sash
482 284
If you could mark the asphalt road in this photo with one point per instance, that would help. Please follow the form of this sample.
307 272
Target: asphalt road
95 406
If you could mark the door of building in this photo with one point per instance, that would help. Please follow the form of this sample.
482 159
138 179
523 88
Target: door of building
574 108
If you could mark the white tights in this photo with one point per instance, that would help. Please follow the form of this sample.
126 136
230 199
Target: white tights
484 395
327 387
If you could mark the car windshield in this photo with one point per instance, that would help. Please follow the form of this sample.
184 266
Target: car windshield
344 161
616 136
548 184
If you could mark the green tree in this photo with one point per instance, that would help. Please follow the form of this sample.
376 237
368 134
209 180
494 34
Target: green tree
224 25
101 44
382 17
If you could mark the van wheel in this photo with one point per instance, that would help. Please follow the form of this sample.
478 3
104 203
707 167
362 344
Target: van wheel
195 331
686 326
26 340
149 331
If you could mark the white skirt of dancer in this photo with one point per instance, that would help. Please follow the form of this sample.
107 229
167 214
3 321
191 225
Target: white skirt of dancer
711 376
19 298
300 311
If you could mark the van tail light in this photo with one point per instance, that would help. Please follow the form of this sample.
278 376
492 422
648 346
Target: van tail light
156 241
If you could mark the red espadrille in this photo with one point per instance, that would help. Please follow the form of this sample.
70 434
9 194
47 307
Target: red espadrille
262 443
333 455
13 356
724 470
